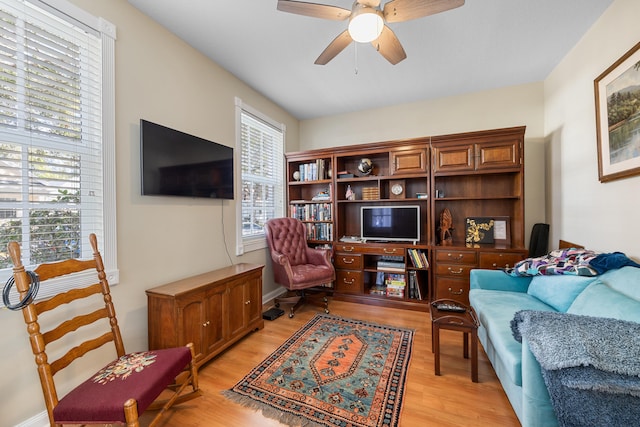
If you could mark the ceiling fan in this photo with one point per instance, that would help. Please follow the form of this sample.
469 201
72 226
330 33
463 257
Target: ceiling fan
368 22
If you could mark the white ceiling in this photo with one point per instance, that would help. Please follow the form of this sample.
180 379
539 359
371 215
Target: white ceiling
482 45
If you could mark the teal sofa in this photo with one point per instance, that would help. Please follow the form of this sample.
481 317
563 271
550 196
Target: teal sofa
497 296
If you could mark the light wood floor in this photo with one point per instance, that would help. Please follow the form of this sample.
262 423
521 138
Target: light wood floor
447 400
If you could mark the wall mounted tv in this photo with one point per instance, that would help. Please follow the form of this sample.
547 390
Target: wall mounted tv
175 163
390 223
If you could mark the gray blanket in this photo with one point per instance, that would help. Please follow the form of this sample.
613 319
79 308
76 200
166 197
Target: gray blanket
590 365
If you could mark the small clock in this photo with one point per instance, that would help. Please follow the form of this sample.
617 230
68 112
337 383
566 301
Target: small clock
397 188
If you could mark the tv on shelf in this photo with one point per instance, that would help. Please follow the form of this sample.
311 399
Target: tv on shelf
390 223
175 163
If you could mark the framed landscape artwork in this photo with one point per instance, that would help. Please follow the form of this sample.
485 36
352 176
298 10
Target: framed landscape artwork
617 92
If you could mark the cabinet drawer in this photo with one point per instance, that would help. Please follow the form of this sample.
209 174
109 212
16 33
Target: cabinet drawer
348 261
453 270
349 282
386 250
458 257
457 289
499 259
346 247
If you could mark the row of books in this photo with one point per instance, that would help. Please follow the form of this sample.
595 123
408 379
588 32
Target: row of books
319 231
311 212
391 266
314 171
395 285
418 258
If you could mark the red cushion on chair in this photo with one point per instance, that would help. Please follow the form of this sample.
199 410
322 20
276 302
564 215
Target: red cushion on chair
140 376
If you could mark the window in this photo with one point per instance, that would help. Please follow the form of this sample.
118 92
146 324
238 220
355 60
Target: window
57 171
261 142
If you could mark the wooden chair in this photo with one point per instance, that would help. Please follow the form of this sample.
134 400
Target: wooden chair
123 389
296 266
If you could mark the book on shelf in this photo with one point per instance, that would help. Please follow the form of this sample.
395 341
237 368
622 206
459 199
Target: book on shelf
317 170
418 258
414 285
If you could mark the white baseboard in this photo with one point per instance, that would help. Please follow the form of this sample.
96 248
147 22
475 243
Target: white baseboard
39 420
268 298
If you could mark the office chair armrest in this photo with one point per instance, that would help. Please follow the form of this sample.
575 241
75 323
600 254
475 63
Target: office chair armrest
319 256
279 258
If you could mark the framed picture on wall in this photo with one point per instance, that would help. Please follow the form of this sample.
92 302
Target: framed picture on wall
617 93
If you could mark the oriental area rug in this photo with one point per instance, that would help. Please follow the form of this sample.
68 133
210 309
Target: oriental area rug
334 371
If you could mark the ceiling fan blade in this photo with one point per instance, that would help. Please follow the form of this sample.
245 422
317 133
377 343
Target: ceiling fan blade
335 47
371 3
389 46
314 10
404 10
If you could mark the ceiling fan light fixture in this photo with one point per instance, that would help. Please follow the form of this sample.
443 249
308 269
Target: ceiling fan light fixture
365 25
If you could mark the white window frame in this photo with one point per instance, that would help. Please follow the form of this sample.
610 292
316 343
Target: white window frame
252 243
108 247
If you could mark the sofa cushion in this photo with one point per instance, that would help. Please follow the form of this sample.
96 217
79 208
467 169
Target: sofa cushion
625 280
495 310
558 291
599 300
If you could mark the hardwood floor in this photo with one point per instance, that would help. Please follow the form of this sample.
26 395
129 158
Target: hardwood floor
447 400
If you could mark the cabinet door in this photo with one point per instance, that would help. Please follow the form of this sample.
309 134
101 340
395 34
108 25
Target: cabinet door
253 304
498 155
408 161
193 322
214 326
237 312
453 159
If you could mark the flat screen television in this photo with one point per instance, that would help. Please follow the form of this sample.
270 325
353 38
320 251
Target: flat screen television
175 163
390 223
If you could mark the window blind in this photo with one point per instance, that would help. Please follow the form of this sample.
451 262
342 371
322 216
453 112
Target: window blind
52 189
262 169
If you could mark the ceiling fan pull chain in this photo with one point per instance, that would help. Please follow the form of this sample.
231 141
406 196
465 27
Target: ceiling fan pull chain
355 58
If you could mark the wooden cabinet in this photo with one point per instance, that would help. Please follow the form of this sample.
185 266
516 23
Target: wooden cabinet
476 156
474 174
381 274
211 310
452 267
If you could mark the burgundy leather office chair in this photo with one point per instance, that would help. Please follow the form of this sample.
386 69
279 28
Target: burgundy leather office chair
296 266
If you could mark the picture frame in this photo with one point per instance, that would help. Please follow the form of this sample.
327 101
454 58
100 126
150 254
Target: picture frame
501 230
479 230
618 117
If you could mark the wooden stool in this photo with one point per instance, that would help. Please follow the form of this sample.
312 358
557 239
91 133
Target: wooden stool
455 316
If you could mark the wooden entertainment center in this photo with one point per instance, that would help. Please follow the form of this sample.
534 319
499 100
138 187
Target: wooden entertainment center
476 176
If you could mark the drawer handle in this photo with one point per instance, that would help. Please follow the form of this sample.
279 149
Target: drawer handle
455 257
458 271
207 323
348 249
389 251
456 293
351 282
247 302
347 261
495 265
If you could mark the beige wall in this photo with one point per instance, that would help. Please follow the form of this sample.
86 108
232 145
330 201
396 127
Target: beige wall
505 107
159 78
601 216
